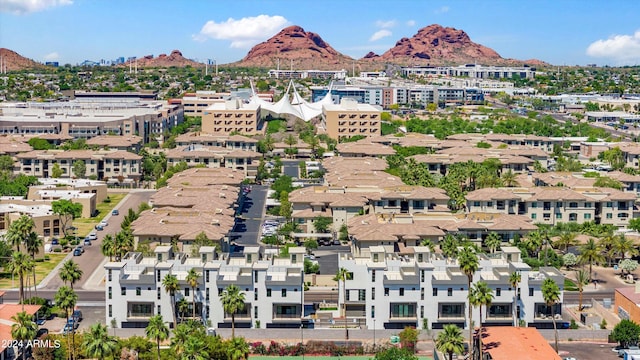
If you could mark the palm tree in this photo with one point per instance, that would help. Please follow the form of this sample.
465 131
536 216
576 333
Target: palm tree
192 280
449 246
66 299
493 242
232 300
509 178
33 244
157 330
313 142
70 273
170 284
606 244
428 243
450 340
624 246
582 279
343 275
551 296
590 253
19 230
108 246
566 239
514 280
183 307
480 295
98 343
180 336
20 265
238 349
23 330
194 349
469 263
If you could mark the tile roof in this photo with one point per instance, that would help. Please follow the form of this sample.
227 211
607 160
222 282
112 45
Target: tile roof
502 342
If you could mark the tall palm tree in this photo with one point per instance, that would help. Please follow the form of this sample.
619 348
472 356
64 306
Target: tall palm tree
450 340
290 140
624 246
480 295
24 329
469 264
97 342
108 247
192 280
590 253
194 349
157 330
582 279
343 275
20 266
551 296
33 244
566 239
70 273
170 284
232 300
606 244
514 280
66 299
183 307
19 231
509 178
493 242
449 246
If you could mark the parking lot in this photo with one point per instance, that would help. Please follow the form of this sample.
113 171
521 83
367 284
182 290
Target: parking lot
587 351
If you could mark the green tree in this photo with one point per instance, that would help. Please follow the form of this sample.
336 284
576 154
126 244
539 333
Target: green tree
624 246
607 182
569 260
493 242
232 300
481 295
98 344
628 265
170 284
321 223
56 171
614 157
450 340
39 144
582 279
590 253
157 331
409 338
469 263
19 231
70 273
514 280
66 299
285 206
509 178
33 244
290 140
551 296
23 329
626 333
20 265
395 353
66 211
566 239
192 280
79 169
6 163
108 247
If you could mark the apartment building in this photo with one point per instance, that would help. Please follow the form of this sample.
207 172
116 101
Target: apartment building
273 287
80 185
232 116
47 224
232 142
474 71
213 156
387 290
350 118
87 118
196 103
124 143
308 74
122 166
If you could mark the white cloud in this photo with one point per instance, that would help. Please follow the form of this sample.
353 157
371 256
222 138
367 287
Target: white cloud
21 7
623 49
380 34
411 23
385 24
244 32
442 10
52 56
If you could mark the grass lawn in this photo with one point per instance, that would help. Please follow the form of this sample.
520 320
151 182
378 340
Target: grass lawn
42 269
86 225
569 285
352 357
274 126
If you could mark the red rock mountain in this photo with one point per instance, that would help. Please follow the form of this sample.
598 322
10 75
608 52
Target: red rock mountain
306 49
164 60
437 45
16 62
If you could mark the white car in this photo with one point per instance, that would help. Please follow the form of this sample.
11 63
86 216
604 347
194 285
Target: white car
103 223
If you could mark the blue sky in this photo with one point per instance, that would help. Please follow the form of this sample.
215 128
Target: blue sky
561 32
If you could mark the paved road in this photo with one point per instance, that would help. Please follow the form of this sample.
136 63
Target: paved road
83 295
247 229
92 257
290 168
572 297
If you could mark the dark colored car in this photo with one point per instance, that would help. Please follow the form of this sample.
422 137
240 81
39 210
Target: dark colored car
77 252
77 315
99 227
55 241
115 212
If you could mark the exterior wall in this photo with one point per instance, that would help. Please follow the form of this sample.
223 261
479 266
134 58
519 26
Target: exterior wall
553 212
414 206
616 213
626 308
348 123
224 122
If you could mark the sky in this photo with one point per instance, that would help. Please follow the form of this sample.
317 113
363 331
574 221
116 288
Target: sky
560 32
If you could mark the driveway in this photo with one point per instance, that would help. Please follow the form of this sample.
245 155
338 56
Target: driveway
290 168
246 230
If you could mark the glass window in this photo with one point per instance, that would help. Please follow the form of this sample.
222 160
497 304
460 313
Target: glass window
450 292
401 291
138 291
284 292
386 291
268 292
434 292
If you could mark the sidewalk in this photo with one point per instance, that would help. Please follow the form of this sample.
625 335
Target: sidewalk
96 280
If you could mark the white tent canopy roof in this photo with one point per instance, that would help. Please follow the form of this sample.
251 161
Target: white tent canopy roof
298 107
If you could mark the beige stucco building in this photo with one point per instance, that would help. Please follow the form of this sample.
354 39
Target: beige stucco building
350 118
232 116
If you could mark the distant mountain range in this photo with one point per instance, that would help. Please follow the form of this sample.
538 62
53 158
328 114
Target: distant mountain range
293 46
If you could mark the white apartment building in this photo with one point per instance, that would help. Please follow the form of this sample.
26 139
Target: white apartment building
272 286
391 290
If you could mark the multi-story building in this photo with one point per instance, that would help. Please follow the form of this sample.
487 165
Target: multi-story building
87 118
214 156
232 116
350 118
196 103
273 287
125 143
388 290
308 74
472 71
231 142
47 224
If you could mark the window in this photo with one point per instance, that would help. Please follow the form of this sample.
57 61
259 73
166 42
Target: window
489 203
587 216
373 275
109 275
623 215
373 293
123 291
206 294
110 293
534 205
373 312
558 204
362 294
158 276
573 217
530 291
450 292
546 205
609 204
587 205
476 203
546 216
255 276
110 310
219 291
255 311
284 292
558 215
159 312
392 203
422 294
158 293
186 291
386 291
422 311
609 216
498 291
268 292
422 275
434 292
206 276
534 216
573 204
401 291
138 291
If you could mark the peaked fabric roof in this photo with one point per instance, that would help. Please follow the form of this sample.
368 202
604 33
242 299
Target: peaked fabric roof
292 105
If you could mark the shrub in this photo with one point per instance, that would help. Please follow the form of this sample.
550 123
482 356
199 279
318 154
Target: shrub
573 324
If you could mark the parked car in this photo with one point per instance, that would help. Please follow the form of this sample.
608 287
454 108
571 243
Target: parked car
115 212
77 252
87 242
68 328
72 323
103 223
42 332
55 241
99 227
77 315
92 236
